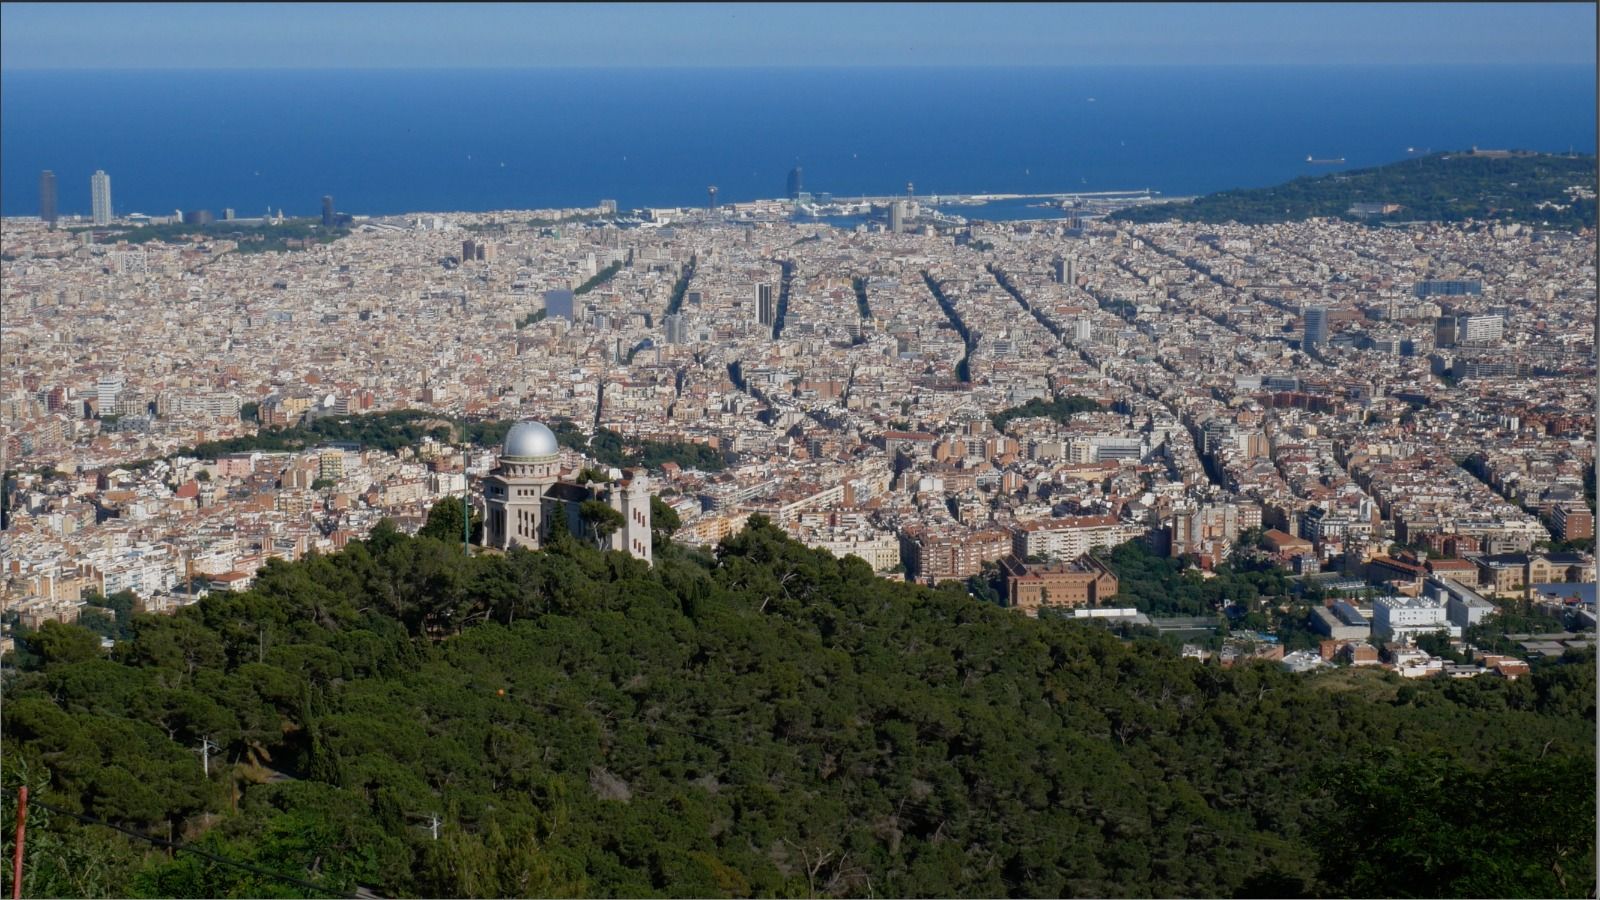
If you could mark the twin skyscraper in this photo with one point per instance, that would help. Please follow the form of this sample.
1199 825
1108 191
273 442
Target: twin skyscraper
99 194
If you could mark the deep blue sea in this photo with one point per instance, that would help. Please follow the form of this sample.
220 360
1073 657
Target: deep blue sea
385 142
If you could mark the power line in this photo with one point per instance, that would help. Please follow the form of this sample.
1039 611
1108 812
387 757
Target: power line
174 846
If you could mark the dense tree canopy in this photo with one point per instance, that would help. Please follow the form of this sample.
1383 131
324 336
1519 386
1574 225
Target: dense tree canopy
444 523
111 616
763 720
613 449
252 238
388 431
1160 585
1061 409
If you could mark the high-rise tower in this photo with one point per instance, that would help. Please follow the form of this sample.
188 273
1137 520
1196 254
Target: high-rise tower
47 197
1316 325
712 192
676 328
796 183
100 196
766 305
327 210
897 216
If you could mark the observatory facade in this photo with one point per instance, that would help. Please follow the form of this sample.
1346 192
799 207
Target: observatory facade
525 494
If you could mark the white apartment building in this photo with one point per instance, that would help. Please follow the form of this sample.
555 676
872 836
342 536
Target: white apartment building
880 549
106 392
1473 329
1067 538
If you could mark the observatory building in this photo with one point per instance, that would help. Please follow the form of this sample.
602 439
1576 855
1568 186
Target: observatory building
525 494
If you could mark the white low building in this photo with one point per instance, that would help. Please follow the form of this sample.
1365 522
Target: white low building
1303 661
1464 607
1406 618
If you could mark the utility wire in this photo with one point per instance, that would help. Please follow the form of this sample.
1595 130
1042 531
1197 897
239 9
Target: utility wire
321 890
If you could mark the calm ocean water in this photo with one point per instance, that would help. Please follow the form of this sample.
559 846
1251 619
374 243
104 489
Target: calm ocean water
385 142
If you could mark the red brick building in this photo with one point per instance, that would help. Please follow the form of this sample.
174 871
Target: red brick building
1086 582
1573 522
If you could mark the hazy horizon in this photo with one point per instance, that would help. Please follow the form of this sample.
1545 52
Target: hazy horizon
786 35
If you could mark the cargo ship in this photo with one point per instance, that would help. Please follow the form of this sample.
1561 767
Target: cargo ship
1324 162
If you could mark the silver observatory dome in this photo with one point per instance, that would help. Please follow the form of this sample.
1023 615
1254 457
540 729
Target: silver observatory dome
530 440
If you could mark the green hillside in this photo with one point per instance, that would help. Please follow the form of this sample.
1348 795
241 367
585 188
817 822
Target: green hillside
1442 187
767 720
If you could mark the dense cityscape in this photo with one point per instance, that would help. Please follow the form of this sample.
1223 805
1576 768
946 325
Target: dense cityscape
787 450
1397 418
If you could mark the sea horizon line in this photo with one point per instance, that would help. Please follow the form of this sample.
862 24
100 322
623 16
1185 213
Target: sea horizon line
941 65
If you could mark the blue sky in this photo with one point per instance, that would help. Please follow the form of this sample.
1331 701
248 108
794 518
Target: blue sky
312 35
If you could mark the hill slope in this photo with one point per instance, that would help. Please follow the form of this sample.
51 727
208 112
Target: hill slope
1443 187
770 720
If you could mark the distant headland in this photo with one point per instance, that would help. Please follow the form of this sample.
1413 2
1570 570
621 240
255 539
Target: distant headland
1509 186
